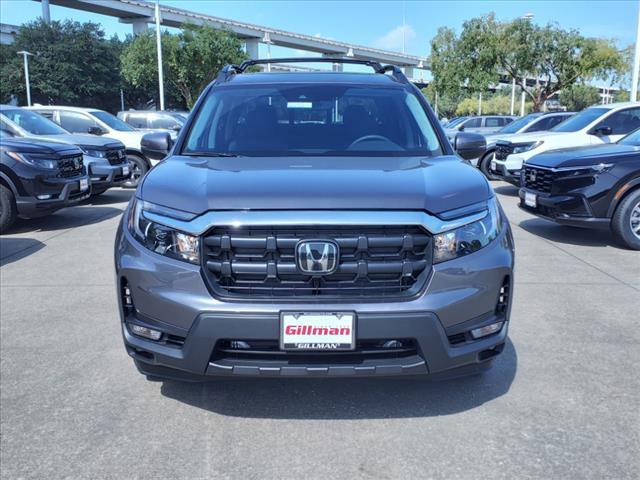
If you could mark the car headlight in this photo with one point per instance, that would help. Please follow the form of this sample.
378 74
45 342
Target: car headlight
35 160
468 238
160 238
92 152
586 169
525 147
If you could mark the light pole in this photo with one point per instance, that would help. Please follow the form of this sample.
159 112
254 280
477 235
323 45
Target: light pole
636 63
25 56
159 47
527 16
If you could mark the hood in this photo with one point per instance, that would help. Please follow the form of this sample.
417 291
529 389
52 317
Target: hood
79 139
582 156
34 145
198 184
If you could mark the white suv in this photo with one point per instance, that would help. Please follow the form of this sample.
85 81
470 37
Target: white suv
99 122
594 125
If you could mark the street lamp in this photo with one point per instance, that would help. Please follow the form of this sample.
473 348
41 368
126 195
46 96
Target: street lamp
636 63
527 16
25 56
159 47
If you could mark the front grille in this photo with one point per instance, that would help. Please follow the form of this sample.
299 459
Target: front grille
116 156
537 179
503 150
375 262
71 166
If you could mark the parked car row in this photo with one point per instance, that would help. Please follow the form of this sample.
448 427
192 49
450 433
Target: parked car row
579 169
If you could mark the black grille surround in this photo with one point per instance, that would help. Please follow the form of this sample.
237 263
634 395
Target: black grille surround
71 166
376 263
503 150
538 179
116 156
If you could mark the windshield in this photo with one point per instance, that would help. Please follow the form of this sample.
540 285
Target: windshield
312 119
517 125
32 122
632 139
456 121
112 122
580 120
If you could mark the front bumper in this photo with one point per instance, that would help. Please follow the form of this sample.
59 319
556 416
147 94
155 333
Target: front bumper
64 192
571 209
104 175
501 170
172 297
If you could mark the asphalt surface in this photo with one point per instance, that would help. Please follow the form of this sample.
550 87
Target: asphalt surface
561 401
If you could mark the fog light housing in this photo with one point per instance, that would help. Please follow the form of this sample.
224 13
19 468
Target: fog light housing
486 330
145 332
239 345
44 197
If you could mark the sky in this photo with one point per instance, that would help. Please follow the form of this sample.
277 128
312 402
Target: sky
375 23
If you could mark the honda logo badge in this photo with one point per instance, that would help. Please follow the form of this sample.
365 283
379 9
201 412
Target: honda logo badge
317 257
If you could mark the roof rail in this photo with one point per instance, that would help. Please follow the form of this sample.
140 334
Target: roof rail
230 70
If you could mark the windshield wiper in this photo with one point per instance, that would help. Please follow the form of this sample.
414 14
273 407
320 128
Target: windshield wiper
213 154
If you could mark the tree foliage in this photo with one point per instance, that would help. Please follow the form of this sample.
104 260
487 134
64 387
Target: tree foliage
73 63
191 59
579 96
487 49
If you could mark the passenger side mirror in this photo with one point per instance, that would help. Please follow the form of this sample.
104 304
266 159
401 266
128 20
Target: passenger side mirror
461 128
95 130
156 145
469 145
603 131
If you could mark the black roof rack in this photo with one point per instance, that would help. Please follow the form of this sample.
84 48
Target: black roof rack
230 70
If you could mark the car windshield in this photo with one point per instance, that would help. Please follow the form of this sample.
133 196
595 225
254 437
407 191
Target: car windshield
32 122
632 139
112 121
312 120
580 120
456 121
520 123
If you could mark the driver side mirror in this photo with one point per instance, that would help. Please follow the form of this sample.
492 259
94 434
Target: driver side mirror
461 128
95 130
156 145
602 131
469 145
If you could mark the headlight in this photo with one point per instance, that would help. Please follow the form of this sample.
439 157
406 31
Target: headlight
161 239
587 169
92 152
468 238
35 160
525 147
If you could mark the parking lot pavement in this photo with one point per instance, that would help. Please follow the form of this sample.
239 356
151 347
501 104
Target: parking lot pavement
561 402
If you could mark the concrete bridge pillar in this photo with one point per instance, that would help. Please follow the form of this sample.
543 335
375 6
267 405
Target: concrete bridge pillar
408 71
251 47
139 26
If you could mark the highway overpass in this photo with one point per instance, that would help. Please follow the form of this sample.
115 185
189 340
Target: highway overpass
140 13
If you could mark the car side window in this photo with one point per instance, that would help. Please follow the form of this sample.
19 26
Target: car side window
75 122
493 122
507 120
137 120
163 121
545 123
473 123
622 122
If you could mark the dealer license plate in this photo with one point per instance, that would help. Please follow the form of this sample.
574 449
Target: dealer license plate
84 184
317 331
530 199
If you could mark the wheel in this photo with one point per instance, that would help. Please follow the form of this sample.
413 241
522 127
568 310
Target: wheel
138 167
626 221
485 163
8 209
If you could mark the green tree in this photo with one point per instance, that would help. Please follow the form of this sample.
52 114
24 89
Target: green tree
579 96
73 64
191 59
447 103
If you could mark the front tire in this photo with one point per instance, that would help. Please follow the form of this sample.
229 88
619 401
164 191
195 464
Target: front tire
485 163
626 221
139 167
8 209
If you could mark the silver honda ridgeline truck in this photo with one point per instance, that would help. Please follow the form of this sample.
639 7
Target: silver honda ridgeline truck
313 224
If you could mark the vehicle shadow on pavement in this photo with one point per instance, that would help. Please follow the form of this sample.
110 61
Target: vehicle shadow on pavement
118 195
14 249
64 219
348 398
568 235
508 190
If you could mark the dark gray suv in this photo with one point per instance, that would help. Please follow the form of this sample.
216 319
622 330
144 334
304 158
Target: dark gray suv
313 224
